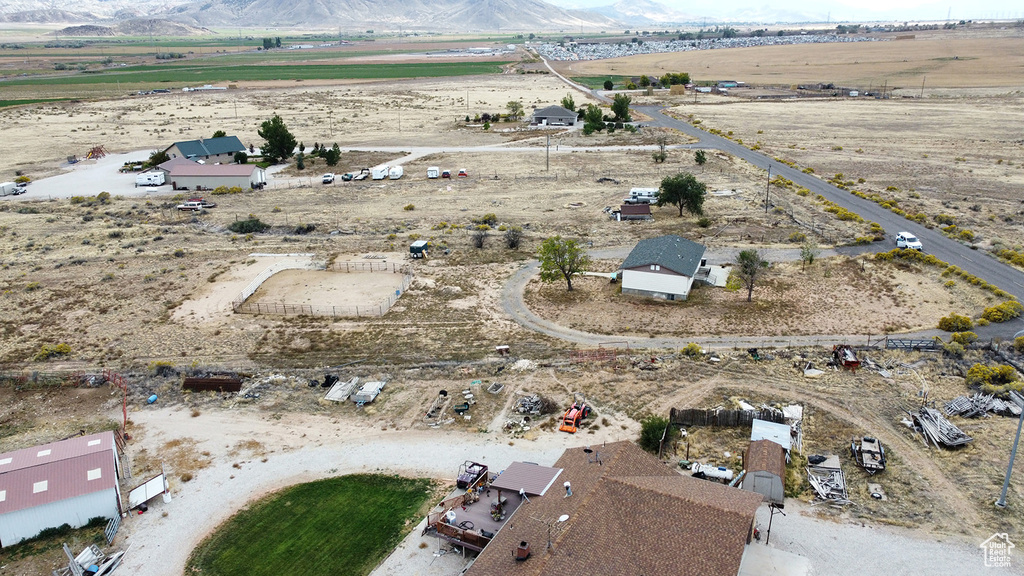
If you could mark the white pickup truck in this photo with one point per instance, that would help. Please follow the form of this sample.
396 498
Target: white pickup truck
908 241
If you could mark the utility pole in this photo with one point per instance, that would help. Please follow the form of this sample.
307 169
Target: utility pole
767 187
1019 400
547 158
922 86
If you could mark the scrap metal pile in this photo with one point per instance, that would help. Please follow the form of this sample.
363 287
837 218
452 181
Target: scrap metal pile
936 429
529 404
827 479
979 406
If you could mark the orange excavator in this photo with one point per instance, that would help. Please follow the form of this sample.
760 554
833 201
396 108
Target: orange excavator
575 414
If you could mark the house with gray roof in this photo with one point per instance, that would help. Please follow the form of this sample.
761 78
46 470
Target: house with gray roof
208 150
662 267
555 116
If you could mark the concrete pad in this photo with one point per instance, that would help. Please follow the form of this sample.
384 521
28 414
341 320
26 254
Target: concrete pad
761 560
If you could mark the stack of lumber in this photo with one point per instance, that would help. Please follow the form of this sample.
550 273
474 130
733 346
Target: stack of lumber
827 479
939 431
979 405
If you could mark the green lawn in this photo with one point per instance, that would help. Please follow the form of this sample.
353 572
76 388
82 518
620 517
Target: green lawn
334 527
192 74
597 82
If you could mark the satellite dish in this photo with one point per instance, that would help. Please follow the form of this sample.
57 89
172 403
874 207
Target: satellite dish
563 517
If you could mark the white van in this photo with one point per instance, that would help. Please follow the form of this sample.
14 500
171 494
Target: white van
396 172
380 172
642 196
150 179
433 172
8 188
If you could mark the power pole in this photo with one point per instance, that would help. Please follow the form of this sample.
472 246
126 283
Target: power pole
767 187
1019 400
922 86
547 157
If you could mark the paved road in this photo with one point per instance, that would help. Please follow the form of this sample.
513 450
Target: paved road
979 263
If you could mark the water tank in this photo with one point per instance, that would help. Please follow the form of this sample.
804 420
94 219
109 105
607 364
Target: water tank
450 517
716 472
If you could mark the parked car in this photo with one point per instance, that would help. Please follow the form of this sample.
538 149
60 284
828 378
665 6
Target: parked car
908 241
190 206
328 178
203 203
463 173
446 174
347 177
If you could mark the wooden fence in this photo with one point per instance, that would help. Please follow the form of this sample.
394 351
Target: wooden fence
725 418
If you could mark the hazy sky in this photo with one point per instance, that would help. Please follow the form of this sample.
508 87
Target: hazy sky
834 10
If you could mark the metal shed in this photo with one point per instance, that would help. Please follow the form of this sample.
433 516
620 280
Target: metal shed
65 482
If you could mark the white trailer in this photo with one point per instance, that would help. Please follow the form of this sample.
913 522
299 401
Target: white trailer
396 172
642 196
155 178
380 172
8 188
433 172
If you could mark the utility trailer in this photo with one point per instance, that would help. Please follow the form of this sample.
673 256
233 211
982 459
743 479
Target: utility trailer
870 454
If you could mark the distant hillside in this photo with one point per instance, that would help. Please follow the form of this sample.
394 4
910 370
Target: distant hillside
135 27
378 15
644 12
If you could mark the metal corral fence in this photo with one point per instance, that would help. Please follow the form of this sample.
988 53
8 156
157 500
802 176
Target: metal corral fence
240 306
728 418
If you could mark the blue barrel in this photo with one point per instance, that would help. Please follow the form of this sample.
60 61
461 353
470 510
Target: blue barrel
151 399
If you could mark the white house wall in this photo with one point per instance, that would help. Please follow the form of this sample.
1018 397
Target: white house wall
655 284
211 182
26 523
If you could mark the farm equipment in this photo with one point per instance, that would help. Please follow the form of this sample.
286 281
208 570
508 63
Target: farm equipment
869 455
575 414
844 356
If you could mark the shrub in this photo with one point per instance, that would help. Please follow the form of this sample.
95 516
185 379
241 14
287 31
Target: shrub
513 237
704 222
488 219
981 375
303 229
1002 312
954 349
250 225
1018 344
955 323
964 338
47 351
693 350
479 238
179 253
797 237
651 429
409 207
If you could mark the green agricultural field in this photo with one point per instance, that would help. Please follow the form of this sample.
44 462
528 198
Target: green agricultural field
6 103
191 74
334 527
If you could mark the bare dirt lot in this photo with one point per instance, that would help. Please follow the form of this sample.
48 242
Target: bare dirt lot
127 282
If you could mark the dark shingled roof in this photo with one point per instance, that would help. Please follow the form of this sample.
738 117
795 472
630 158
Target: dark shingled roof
554 111
210 146
679 255
629 514
767 456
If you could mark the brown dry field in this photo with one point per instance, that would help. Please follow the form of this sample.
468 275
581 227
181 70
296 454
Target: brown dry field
109 280
944 59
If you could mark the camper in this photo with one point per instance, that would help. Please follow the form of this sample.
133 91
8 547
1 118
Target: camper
8 188
418 249
433 172
642 196
150 179
396 172
380 172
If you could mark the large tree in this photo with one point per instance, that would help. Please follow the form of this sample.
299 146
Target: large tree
568 103
751 266
620 106
685 191
279 143
561 259
515 109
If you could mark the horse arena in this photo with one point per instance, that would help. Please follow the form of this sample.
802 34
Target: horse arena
342 289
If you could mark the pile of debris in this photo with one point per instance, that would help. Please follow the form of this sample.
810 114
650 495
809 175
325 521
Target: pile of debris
826 477
92 561
935 428
529 404
979 406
